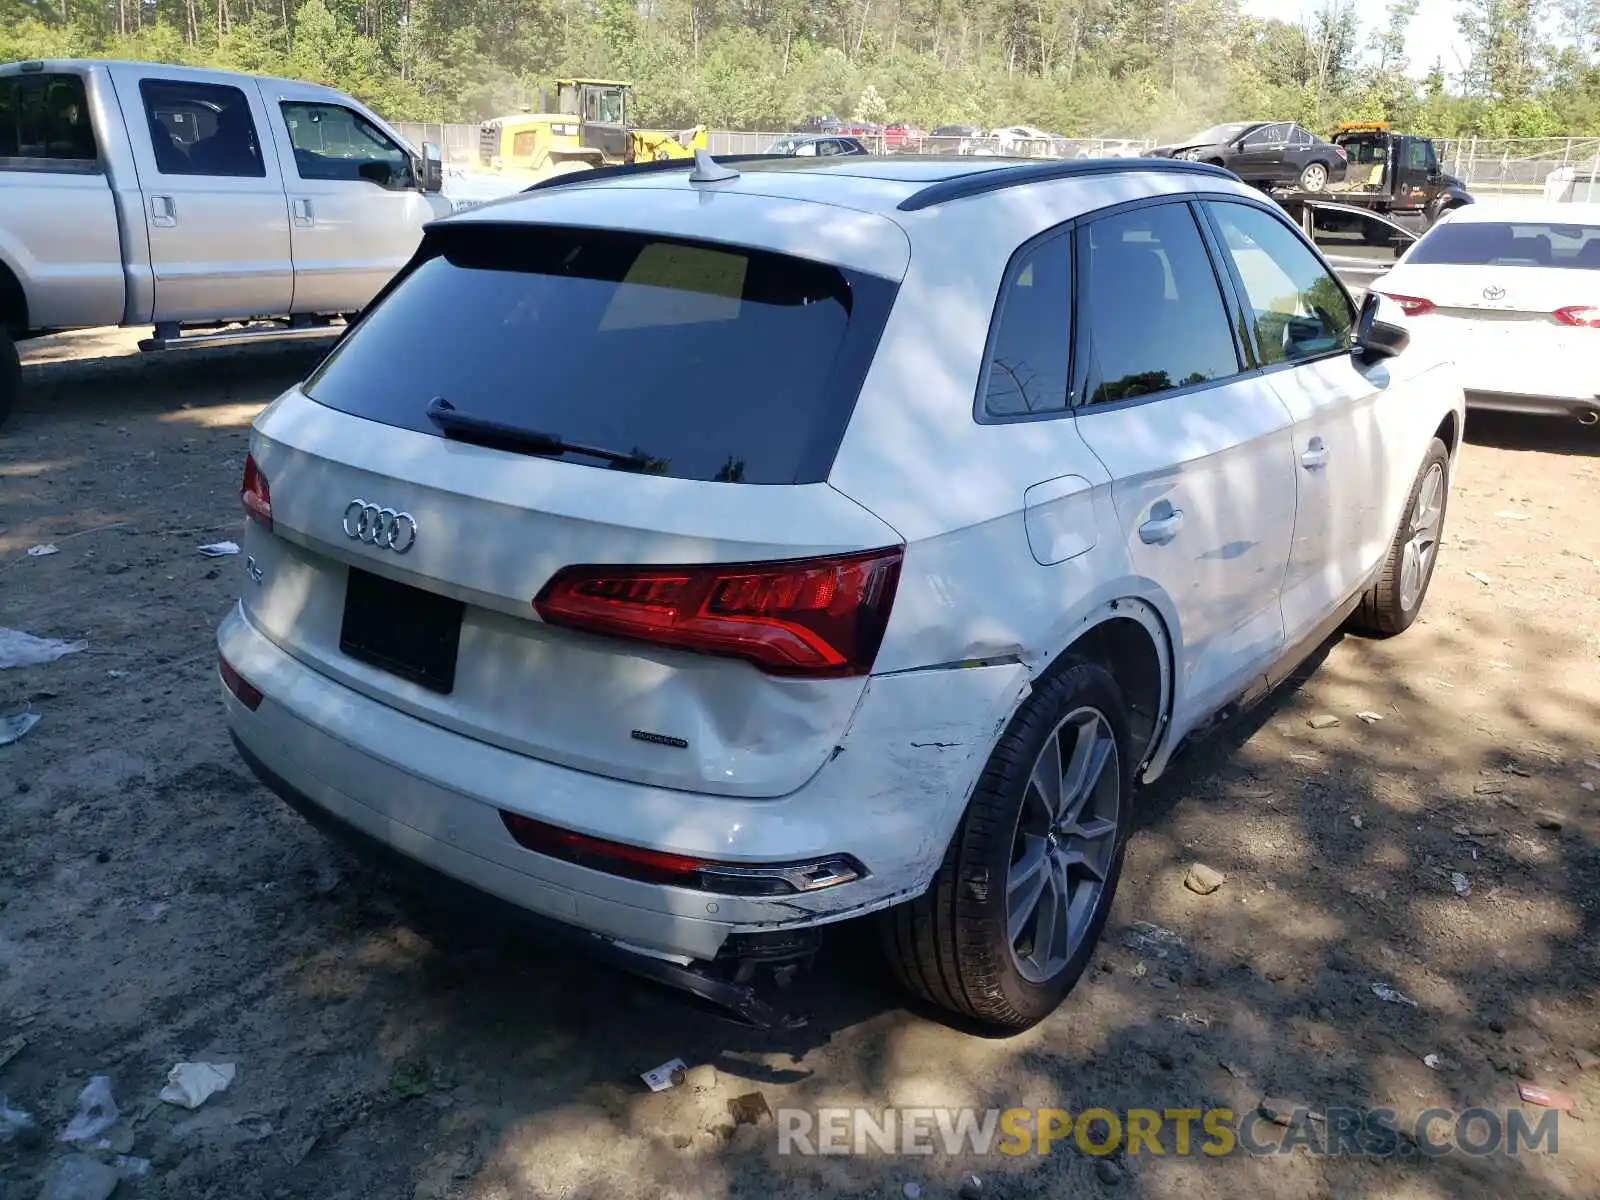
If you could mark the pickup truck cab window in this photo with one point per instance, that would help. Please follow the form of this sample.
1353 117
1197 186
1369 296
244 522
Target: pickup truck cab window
201 129
331 142
45 118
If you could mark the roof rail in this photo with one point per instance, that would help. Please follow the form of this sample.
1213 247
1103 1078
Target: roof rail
652 167
979 182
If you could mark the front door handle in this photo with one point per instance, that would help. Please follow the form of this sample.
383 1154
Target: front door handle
1163 525
163 212
1315 456
304 215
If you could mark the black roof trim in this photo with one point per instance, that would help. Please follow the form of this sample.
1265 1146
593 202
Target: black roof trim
644 168
979 182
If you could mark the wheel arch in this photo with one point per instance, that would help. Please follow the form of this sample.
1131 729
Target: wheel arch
1449 432
1130 639
13 301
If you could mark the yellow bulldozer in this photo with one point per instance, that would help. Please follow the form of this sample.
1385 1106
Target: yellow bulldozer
586 127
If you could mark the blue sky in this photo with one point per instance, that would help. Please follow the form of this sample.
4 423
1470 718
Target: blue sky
1433 33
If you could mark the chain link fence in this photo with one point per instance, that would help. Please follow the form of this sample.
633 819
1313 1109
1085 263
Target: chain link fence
1506 166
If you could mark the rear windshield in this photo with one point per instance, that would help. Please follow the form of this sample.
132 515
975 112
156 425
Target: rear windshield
701 361
1498 243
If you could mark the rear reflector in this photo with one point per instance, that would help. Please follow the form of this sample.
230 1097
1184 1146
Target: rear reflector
255 494
678 870
819 617
1412 306
1582 316
236 683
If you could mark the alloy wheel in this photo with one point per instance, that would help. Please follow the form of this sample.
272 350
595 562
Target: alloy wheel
1064 844
1422 541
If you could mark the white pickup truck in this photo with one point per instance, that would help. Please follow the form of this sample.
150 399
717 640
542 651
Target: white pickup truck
190 200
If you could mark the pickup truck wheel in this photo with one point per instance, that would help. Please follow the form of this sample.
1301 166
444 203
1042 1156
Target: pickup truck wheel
10 375
1392 605
1314 178
1013 915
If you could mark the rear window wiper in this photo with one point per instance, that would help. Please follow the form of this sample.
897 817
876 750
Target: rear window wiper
498 435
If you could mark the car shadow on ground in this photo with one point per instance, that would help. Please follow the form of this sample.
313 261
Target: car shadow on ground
1543 435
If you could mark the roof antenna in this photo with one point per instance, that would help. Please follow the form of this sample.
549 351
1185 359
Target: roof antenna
709 170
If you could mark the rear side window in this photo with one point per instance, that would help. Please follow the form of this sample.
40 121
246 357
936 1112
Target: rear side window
1298 308
1507 244
201 129
45 118
1030 350
705 361
1157 320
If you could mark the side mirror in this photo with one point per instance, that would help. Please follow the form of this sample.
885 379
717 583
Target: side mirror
431 174
1376 340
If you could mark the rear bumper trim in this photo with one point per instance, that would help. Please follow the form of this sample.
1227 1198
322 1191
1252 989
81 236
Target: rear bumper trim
739 1000
1532 406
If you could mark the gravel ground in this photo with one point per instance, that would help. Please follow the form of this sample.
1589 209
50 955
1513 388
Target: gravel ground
157 906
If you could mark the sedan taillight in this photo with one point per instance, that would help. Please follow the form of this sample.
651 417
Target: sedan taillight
1412 306
1582 316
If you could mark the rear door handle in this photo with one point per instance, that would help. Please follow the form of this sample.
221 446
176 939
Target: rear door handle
1315 456
163 212
1163 526
304 214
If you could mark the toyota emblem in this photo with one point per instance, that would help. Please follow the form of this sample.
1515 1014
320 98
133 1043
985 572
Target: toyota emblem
1494 292
381 527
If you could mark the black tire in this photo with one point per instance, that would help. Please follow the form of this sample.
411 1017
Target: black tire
950 946
1314 177
1385 610
10 375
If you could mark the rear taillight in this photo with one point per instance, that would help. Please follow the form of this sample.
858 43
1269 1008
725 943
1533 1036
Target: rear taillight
243 691
1412 306
812 616
1582 316
255 494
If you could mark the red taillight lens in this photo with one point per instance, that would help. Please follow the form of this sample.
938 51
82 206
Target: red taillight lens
1582 316
813 616
255 494
1412 306
236 683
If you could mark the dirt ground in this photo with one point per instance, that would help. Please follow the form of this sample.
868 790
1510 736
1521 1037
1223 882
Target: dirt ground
157 906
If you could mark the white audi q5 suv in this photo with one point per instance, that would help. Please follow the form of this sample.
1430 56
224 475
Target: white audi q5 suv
688 556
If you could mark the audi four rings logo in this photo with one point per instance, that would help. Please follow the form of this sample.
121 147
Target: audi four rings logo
381 527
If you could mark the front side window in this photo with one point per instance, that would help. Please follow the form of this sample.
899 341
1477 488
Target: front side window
1157 319
46 117
331 142
201 129
1030 352
1367 237
1298 309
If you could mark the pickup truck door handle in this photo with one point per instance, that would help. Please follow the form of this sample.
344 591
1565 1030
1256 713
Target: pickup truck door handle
1315 456
163 212
1163 525
304 215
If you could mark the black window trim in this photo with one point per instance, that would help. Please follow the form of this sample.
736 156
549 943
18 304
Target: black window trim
1081 295
31 164
1240 293
1014 266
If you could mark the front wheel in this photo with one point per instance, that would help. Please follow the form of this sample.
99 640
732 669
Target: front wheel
1314 178
1013 915
1392 604
10 375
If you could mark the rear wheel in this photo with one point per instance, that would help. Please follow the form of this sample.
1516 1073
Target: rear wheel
1314 178
1014 913
10 375
1392 605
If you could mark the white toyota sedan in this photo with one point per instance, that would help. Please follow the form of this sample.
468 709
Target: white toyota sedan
688 556
1511 292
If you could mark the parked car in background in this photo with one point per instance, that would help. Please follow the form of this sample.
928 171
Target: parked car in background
817 147
1511 293
716 666
136 193
902 137
1264 153
951 139
1022 140
820 125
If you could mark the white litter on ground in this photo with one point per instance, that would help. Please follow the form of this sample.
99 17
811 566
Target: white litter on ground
18 649
189 1085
